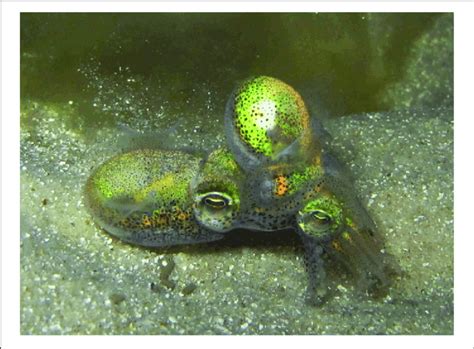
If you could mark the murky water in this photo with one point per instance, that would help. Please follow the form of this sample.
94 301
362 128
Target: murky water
93 85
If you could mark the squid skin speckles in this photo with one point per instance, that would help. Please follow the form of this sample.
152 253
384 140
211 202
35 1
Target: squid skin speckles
332 222
266 121
216 192
270 133
142 197
275 173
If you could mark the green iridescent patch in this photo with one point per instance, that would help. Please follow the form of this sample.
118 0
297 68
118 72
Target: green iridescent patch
220 173
328 205
118 176
297 180
269 115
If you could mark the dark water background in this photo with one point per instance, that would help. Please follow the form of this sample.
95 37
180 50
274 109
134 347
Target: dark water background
341 61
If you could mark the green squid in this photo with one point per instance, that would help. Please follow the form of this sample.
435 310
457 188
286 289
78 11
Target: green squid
267 122
322 208
143 197
274 173
293 182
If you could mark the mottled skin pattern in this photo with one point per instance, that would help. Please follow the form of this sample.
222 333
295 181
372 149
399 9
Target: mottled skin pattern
216 192
296 184
323 209
142 197
332 220
226 197
275 174
266 121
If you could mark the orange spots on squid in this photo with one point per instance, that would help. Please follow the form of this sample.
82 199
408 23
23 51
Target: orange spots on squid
146 221
183 216
281 187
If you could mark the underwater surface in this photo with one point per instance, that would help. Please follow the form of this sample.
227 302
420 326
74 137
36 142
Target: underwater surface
382 84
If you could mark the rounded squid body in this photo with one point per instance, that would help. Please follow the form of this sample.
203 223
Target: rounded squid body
267 121
142 197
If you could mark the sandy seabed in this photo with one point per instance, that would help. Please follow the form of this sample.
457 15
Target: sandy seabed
75 279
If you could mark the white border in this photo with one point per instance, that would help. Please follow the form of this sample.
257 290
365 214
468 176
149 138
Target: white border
464 317
234 6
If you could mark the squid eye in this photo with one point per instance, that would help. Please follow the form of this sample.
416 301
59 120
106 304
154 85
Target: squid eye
322 218
216 201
